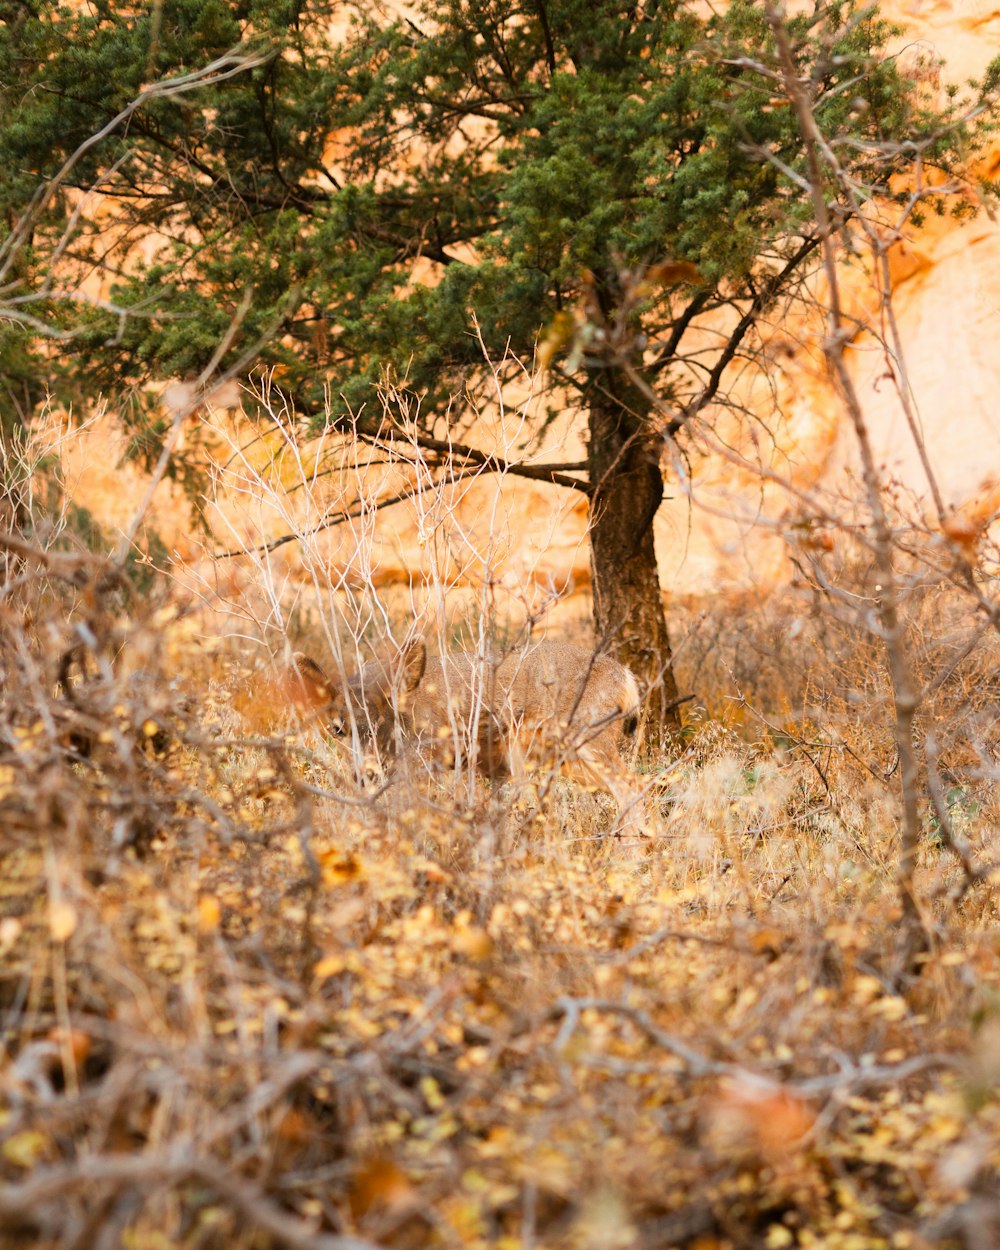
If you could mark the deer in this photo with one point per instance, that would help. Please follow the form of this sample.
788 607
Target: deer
550 705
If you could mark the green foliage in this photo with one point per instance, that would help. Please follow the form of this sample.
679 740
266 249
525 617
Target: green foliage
360 203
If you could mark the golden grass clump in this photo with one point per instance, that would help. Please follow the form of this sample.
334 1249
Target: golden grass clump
258 989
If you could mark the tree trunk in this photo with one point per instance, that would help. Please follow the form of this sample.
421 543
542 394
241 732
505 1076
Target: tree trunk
628 489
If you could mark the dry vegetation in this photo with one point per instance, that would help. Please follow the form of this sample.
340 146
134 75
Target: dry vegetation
248 1000
259 989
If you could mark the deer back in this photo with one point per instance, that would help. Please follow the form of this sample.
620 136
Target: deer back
565 687
457 713
554 700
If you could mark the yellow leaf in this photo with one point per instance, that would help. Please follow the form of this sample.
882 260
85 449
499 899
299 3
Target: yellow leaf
341 869
379 1184
766 941
62 920
471 941
553 339
866 989
24 1149
432 1093
75 1041
10 931
892 1007
432 871
209 913
331 966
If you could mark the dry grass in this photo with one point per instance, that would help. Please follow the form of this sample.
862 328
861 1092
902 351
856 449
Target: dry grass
248 999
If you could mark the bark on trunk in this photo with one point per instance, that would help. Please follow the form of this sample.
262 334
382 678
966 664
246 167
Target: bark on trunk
628 489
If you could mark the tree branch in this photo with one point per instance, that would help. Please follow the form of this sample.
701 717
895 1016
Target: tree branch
759 302
552 473
669 349
543 21
905 696
479 462
170 1167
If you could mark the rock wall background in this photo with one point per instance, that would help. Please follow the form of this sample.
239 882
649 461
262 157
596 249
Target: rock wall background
726 530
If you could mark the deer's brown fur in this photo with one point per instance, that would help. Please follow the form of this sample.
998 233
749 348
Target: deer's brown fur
554 704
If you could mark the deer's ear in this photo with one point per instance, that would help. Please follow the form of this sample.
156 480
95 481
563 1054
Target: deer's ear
414 661
306 684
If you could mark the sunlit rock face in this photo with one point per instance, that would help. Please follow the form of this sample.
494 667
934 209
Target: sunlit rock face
947 291
946 299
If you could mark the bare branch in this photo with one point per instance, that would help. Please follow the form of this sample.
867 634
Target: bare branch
169 1167
905 697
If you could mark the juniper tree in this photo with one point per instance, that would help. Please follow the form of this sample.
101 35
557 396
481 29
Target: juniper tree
586 182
